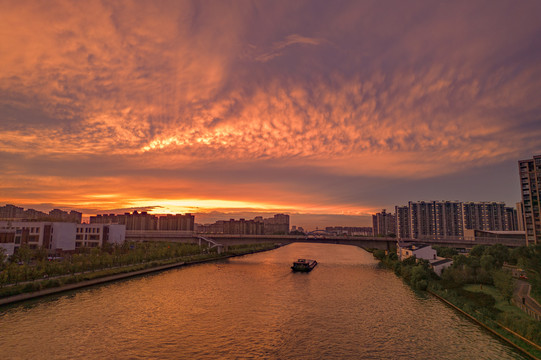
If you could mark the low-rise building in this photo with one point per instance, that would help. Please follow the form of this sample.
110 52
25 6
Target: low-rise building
58 236
420 251
440 264
7 241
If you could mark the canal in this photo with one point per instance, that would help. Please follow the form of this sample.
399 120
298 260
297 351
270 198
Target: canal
250 307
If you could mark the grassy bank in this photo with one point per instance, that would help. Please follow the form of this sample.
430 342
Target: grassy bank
479 289
59 281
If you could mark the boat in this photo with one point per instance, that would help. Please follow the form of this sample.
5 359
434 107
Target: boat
304 265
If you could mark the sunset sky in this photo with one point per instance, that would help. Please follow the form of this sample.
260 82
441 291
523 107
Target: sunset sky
326 110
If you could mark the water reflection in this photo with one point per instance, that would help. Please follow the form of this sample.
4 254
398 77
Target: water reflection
250 307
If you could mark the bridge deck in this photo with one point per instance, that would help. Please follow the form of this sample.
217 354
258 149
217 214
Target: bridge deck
362 241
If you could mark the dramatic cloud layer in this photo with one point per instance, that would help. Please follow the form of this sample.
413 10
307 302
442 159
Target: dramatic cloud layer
309 106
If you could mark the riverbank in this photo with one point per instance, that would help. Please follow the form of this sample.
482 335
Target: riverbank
485 306
526 343
74 282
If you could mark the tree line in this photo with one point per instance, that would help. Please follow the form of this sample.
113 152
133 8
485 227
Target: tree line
486 267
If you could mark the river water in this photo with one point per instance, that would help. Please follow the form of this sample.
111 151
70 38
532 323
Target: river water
249 307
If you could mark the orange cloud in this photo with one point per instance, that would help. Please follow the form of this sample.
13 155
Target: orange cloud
124 90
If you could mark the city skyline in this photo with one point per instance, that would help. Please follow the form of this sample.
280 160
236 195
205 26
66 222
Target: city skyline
329 112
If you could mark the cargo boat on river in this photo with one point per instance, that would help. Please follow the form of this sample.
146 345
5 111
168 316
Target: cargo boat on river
304 265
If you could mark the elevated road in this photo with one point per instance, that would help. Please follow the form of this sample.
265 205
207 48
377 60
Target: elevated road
384 243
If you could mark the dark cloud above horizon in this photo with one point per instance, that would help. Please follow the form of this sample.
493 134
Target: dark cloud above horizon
295 105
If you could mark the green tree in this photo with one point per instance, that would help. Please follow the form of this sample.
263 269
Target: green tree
459 260
23 254
379 254
499 252
445 252
3 258
504 282
488 262
420 276
478 250
40 254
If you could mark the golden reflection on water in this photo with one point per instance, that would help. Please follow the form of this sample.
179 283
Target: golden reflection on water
250 307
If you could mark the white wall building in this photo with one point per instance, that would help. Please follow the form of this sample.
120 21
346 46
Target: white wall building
440 264
425 252
420 251
59 236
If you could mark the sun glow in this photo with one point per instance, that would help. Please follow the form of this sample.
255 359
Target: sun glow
170 206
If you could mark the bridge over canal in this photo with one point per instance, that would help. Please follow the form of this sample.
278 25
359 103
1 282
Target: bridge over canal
384 243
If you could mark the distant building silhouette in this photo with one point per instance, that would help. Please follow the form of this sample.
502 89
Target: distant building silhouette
349 230
277 225
11 212
144 221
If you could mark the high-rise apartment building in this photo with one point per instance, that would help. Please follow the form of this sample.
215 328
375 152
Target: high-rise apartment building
243 227
530 185
449 219
511 219
443 219
383 223
145 221
485 215
276 225
402 222
520 217
176 222
134 221
11 212
435 219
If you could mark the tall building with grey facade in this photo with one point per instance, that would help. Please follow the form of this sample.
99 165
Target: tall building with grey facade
435 219
520 217
530 185
383 223
485 216
445 219
402 222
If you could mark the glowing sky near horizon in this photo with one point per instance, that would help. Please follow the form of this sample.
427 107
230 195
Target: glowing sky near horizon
308 107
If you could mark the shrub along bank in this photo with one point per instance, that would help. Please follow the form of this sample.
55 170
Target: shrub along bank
479 286
37 274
